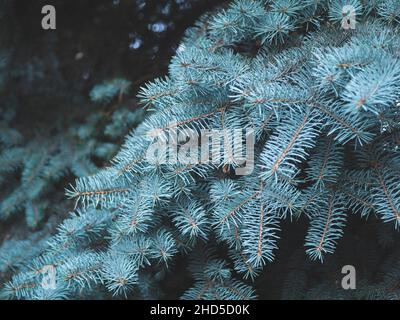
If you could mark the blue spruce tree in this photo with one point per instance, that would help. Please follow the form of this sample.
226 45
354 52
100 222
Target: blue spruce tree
318 82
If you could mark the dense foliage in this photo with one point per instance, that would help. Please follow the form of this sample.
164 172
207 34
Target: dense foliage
323 102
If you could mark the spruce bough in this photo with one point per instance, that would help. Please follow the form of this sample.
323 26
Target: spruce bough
323 102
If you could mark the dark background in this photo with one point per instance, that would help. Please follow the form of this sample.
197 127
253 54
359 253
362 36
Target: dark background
113 38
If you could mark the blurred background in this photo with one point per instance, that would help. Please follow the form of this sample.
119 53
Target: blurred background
94 40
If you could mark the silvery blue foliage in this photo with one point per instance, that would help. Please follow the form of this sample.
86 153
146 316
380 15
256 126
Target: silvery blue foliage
323 102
